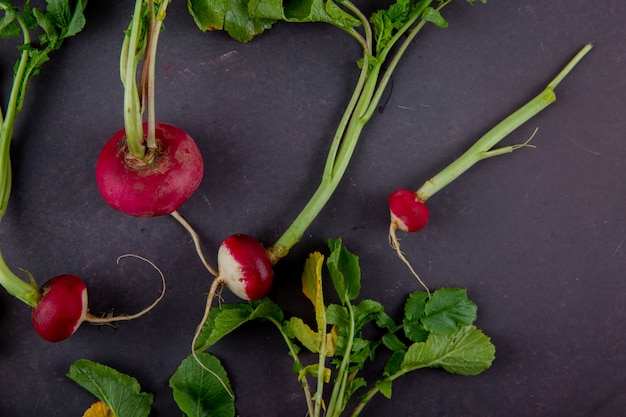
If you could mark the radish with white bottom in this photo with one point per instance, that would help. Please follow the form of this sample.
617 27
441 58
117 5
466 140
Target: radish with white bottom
408 210
383 47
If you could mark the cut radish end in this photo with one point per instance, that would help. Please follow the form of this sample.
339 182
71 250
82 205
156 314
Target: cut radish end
408 213
153 188
245 267
62 308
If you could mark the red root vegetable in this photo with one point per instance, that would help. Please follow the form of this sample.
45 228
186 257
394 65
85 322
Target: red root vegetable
154 187
63 307
245 268
408 210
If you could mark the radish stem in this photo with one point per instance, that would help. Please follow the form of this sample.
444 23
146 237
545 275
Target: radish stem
141 41
482 149
365 98
28 292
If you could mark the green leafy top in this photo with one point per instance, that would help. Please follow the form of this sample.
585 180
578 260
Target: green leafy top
60 20
436 331
120 392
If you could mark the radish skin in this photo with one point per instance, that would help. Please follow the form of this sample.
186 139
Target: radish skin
157 187
408 210
245 267
62 308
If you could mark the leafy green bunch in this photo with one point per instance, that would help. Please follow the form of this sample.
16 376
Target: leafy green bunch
436 331
60 20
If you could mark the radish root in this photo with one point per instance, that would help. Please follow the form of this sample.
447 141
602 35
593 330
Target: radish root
217 284
196 240
395 244
111 318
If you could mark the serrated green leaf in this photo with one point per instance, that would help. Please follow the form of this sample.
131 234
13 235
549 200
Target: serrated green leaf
199 393
393 343
384 387
394 363
344 270
434 16
229 15
120 392
467 351
228 317
414 311
303 11
447 310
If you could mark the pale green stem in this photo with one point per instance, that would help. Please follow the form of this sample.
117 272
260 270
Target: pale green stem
294 354
133 123
482 149
28 292
156 23
6 131
336 402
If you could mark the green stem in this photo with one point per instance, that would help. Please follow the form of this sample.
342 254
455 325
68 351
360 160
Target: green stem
28 292
367 95
482 149
155 25
321 365
336 402
393 63
6 131
372 392
342 148
133 122
293 351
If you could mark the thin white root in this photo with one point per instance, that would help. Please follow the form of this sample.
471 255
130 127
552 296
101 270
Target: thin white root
110 318
527 143
217 283
395 244
196 240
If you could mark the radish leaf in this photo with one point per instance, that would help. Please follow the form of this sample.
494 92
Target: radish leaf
448 309
345 271
199 393
120 392
303 11
468 351
229 15
228 317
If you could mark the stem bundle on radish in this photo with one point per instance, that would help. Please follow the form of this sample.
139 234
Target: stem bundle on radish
148 168
408 209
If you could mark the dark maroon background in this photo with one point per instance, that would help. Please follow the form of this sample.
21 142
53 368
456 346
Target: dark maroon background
537 237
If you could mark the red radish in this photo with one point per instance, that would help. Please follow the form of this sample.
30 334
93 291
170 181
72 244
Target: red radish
155 187
61 309
408 212
60 306
244 267
408 209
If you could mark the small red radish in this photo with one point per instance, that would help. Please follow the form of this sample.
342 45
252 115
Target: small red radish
60 306
408 212
61 309
245 268
154 187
